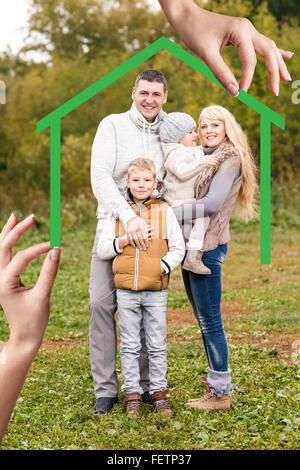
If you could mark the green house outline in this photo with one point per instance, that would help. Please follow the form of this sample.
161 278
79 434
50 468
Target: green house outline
267 116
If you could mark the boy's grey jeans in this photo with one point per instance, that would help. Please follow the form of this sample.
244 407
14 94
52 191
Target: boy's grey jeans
134 309
102 330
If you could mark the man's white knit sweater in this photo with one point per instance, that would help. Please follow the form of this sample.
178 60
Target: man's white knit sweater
121 138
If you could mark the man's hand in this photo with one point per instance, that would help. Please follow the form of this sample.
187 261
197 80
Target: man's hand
139 233
207 33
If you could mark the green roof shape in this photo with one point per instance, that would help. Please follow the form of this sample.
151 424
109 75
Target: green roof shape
267 116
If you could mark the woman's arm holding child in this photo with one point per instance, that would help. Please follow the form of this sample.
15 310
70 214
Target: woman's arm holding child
214 199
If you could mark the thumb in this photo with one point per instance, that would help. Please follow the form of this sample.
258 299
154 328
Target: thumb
48 273
222 72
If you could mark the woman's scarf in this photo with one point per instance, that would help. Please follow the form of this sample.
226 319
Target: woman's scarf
224 150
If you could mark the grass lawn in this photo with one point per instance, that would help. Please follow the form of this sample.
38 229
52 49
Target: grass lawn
260 307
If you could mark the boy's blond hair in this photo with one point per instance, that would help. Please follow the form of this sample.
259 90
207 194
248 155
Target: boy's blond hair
142 164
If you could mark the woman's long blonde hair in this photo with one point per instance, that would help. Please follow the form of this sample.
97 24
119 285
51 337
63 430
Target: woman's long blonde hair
245 205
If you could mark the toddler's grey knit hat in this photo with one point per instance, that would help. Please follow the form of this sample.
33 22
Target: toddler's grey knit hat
174 126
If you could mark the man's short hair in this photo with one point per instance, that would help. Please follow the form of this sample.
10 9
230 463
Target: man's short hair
152 76
142 164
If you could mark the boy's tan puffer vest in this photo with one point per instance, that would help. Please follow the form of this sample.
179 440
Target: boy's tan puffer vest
136 269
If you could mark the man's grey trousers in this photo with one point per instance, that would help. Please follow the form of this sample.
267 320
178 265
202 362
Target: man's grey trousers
102 330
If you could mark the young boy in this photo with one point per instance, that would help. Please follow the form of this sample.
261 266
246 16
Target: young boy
184 160
141 278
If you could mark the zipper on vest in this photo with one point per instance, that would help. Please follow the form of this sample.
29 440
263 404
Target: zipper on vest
136 268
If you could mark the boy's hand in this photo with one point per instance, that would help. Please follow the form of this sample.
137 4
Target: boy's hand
211 160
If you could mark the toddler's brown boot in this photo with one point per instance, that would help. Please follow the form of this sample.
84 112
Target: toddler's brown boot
193 262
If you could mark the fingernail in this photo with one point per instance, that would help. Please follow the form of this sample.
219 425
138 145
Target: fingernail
28 218
11 217
289 76
233 89
55 253
277 89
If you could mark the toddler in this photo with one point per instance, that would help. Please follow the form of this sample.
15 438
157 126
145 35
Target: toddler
184 161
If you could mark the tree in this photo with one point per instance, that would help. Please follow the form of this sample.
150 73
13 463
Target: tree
68 28
34 90
282 10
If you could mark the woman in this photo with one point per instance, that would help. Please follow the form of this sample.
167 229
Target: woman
233 184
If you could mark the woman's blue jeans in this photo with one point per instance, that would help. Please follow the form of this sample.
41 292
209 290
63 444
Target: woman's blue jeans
204 294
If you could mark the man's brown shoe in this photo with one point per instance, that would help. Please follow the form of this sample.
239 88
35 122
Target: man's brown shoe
161 404
133 404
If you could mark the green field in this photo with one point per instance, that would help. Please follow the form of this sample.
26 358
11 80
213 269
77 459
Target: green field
260 305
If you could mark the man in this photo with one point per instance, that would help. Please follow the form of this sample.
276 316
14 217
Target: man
120 138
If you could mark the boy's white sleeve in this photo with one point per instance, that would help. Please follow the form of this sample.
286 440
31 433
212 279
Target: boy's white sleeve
184 164
175 241
108 246
102 166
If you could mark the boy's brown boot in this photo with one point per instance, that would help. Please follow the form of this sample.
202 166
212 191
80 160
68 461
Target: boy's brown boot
193 262
161 404
133 404
209 401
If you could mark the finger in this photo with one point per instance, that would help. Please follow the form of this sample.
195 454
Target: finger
283 71
48 273
12 221
267 49
273 70
23 258
13 233
140 242
221 71
249 61
130 239
131 243
6 253
285 54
